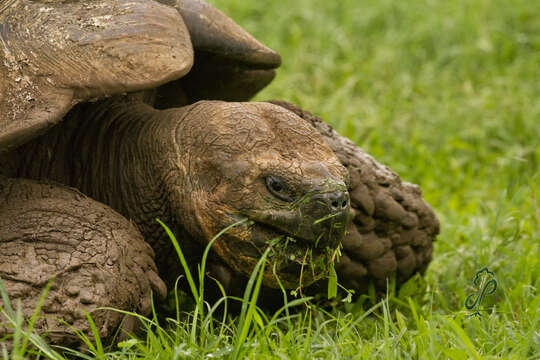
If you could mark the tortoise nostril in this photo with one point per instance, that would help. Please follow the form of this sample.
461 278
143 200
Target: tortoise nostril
338 200
332 202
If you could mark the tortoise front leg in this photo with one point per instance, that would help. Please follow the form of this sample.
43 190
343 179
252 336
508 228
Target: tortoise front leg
96 257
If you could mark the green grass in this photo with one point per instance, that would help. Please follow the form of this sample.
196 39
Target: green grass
446 93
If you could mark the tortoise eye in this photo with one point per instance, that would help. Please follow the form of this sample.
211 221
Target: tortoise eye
277 187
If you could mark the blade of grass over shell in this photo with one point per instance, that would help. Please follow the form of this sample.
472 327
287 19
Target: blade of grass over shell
19 332
35 315
29 333
6 303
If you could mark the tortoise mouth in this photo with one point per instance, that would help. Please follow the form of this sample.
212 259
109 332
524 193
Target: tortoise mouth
295 260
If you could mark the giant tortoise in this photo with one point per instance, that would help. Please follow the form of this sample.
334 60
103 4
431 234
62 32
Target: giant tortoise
116 113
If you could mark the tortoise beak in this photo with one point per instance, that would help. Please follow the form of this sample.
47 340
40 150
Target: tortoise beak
327 219
318 219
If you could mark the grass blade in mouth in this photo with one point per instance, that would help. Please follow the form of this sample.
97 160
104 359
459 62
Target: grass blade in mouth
325 218
332 281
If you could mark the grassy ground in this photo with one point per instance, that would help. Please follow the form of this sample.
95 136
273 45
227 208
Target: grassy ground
446 93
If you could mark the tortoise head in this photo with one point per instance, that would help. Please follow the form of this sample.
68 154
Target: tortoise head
261 162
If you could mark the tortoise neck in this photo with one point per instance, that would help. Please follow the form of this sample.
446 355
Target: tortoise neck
117 151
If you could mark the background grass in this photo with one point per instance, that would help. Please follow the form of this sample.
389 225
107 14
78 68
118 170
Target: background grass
446 93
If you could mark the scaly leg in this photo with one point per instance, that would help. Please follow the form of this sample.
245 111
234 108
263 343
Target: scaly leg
96 257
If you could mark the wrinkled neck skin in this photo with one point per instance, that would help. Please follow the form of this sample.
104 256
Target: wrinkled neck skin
119 152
